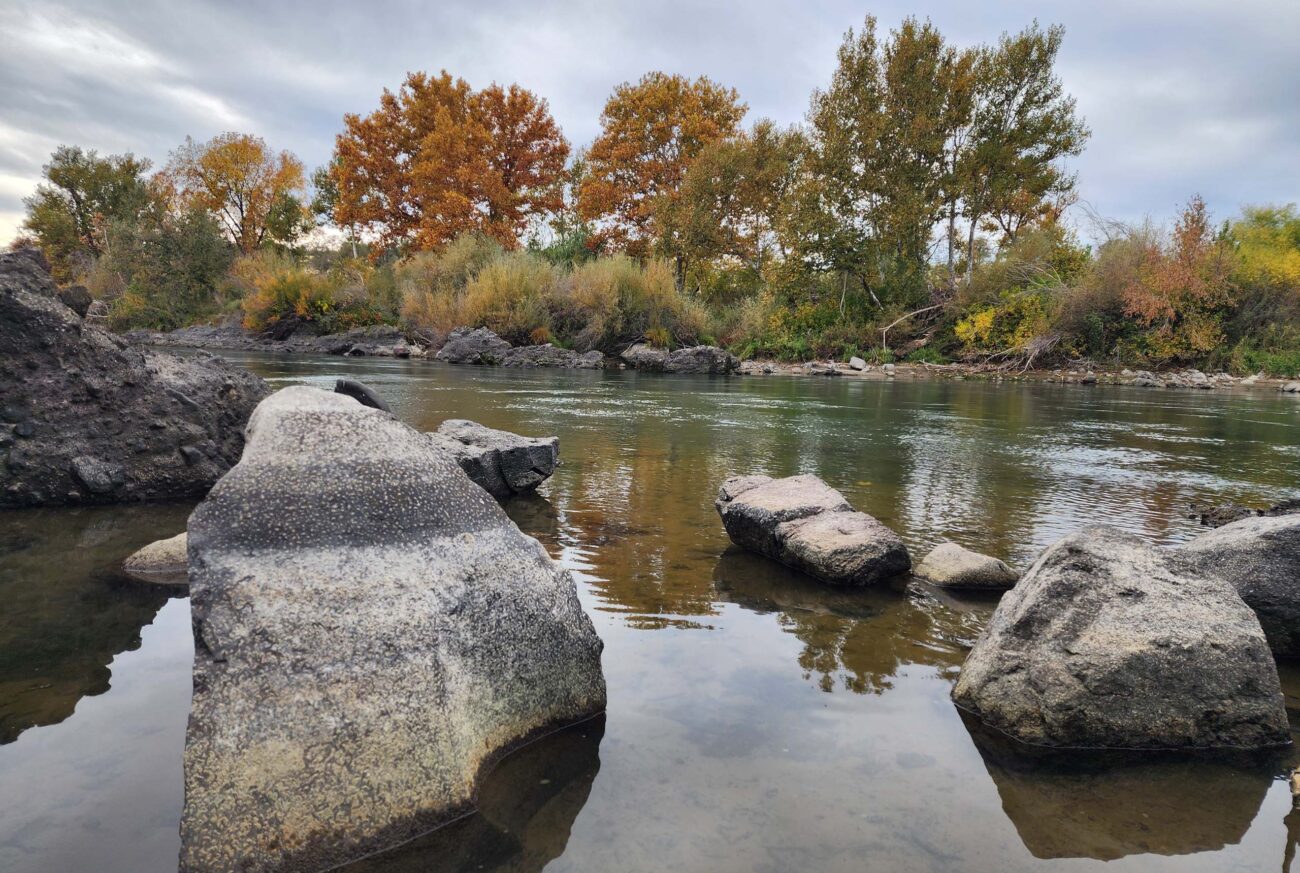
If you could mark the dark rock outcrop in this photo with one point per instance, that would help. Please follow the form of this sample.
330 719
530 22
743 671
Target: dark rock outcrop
87 418
472 346
499 462
695 359
950 566
805 524
1110 643
371 634
380 340
362 394
1260 558
551 356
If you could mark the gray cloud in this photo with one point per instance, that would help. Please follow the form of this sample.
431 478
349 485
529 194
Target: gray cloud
1182 97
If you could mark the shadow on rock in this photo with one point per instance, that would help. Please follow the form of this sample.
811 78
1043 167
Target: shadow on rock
68 609
525 810
857 639
1108 806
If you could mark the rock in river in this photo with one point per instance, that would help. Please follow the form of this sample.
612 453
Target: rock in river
951 566
1110 643
1260 558
472 346
87 418
165 562
371 633
500 462
695 359
805 524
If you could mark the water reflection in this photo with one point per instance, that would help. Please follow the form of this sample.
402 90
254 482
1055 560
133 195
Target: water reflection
525 809
855 640
68 610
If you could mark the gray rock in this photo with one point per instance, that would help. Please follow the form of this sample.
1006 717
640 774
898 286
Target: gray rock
640 356
1107 642
164 562
1227 513
1146 379
805 524
472 346
77 298
379 340
548 355
695 359
1260 558
500 462
950 566
362 394
856 363
88 418
1290 388
371 633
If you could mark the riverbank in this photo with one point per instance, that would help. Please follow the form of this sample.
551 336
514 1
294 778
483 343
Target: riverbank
388 341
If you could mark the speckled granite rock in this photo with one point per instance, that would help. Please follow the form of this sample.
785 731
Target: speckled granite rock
500 462
950 566
1260 558
805 524
87 418
1110 643
472 346
165 562
371 631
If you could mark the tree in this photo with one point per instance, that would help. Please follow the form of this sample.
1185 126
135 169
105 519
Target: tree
69 213
650 133
437 160
255 195
1022 125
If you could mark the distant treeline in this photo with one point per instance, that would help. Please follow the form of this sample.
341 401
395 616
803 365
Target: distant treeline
916 213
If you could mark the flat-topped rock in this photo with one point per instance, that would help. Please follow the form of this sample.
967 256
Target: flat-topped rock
371 633
165 562
498 461
1110 643
809 526
951 566
1260 558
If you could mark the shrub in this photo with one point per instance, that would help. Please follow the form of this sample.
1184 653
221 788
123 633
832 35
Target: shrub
510 295
432 284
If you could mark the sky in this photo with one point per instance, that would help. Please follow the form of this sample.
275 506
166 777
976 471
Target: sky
1182 97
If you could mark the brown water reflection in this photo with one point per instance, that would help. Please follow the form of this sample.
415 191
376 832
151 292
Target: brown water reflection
758 721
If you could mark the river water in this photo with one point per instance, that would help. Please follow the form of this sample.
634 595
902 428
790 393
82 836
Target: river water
757 721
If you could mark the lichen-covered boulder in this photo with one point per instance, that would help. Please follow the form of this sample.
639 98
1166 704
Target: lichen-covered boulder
500 462
371 633
165 562
1110 643
1260 558
87 418
808 525
472 346
951 566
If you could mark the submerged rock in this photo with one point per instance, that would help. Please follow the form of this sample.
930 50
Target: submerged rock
164 562
371 633
805 524
1260 558
950 566
500 462
1227 513
87 418
472 346
1107 642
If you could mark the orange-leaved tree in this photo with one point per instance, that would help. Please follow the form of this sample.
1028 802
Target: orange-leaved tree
254 193
650 133
1181 290
438 159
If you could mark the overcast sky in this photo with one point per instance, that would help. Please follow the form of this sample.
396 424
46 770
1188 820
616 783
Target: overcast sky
1182 97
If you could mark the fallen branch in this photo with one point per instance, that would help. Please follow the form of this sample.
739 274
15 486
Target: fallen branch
885 330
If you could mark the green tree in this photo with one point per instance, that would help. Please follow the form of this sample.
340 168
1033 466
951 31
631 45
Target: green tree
70 212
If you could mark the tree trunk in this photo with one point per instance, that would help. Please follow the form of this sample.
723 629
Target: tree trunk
680 270
952 245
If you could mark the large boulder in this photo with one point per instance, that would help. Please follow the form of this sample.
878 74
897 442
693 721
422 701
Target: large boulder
498 461
165 562
371 634
548 355
951 566
1110 643
695 359
472 346
87 418
378 340
805 524
1260 558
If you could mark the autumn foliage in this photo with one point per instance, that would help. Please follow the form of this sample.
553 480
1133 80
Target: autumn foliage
438 159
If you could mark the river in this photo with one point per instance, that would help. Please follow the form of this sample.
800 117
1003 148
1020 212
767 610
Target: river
757 721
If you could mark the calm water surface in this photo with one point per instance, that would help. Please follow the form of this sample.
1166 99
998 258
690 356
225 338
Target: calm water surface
756 721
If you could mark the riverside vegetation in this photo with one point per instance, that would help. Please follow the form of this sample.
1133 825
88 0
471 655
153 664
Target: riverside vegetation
920 213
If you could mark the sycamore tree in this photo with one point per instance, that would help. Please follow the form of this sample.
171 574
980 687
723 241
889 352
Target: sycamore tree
82 194
651 131
255 194
438 159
